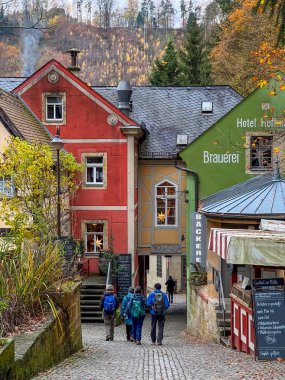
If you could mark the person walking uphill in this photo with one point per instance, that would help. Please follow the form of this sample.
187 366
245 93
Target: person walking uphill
136 307
128 317
158 302
109 304
170 285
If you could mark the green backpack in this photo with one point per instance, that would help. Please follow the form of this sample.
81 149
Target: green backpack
137 309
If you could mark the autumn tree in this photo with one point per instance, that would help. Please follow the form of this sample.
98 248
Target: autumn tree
195 64
242 33
276 9
28 204
165 72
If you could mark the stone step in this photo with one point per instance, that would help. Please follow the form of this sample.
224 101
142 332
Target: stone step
90 308
93 286
92 320
226 323
90 296
90 302
220 315
219 308
91 313
227 331
91 291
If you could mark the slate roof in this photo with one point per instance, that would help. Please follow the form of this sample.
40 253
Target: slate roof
166 112
20 119
9 83
258 197
170 111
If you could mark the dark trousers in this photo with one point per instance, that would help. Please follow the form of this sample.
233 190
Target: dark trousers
157 319
137 328
170 296
129 331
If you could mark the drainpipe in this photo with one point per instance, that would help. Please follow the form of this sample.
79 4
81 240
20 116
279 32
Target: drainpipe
196 180
188 251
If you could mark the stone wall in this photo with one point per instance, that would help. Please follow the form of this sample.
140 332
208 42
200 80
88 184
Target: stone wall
53 342
202 318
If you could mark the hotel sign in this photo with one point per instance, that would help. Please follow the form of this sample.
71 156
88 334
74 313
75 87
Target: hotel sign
198 244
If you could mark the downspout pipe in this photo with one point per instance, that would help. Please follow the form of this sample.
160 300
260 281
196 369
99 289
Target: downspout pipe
196 180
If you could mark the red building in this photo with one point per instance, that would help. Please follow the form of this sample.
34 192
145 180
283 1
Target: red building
105 140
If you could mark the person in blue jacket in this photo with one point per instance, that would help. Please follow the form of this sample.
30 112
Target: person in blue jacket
127 317
157 301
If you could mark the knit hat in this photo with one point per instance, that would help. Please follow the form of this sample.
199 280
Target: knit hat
110 287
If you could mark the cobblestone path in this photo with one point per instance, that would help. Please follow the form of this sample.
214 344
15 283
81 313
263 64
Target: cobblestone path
180 357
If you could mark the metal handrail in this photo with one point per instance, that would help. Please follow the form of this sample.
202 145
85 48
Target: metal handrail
221 294
108 274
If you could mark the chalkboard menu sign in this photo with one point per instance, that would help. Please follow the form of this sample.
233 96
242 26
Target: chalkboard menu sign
124 280
269 322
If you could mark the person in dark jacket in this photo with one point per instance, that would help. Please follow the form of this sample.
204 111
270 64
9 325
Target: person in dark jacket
170 285
136 307
109 304
127 317
157 301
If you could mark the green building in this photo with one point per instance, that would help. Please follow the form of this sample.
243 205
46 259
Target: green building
241 145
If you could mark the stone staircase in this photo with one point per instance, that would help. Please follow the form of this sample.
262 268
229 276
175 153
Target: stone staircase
91 291
224 326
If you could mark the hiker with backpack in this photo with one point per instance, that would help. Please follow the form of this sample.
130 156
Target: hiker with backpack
158 302
136 307
128 317
109 304
170 285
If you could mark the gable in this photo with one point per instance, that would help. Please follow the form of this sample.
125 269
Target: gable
71 83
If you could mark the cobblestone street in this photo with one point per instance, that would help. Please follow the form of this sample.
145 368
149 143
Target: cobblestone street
180 357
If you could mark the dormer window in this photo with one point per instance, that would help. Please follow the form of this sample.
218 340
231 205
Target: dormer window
207 107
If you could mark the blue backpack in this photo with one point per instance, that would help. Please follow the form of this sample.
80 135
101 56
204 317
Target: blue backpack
109 303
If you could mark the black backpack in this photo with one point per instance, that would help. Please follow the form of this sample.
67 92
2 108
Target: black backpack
159 306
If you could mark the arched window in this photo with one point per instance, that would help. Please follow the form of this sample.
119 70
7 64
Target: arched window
166 204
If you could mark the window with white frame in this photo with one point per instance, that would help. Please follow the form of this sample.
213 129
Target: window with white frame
94 237
166 204
261 148
6 186
54 108
94 170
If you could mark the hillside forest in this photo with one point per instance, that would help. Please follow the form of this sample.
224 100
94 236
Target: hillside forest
221 43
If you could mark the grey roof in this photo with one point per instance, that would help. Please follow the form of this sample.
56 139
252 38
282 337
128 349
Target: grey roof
9 83
170 111
255 198
166 112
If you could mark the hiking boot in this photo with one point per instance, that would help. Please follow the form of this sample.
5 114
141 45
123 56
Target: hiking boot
132 339
153 342
159 343
138 342
107 338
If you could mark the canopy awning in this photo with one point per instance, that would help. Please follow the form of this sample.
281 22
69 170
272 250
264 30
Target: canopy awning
252 247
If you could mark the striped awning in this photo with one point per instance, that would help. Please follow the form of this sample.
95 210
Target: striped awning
252 247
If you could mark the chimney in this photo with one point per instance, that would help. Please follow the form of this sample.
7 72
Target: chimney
124 92
74 68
